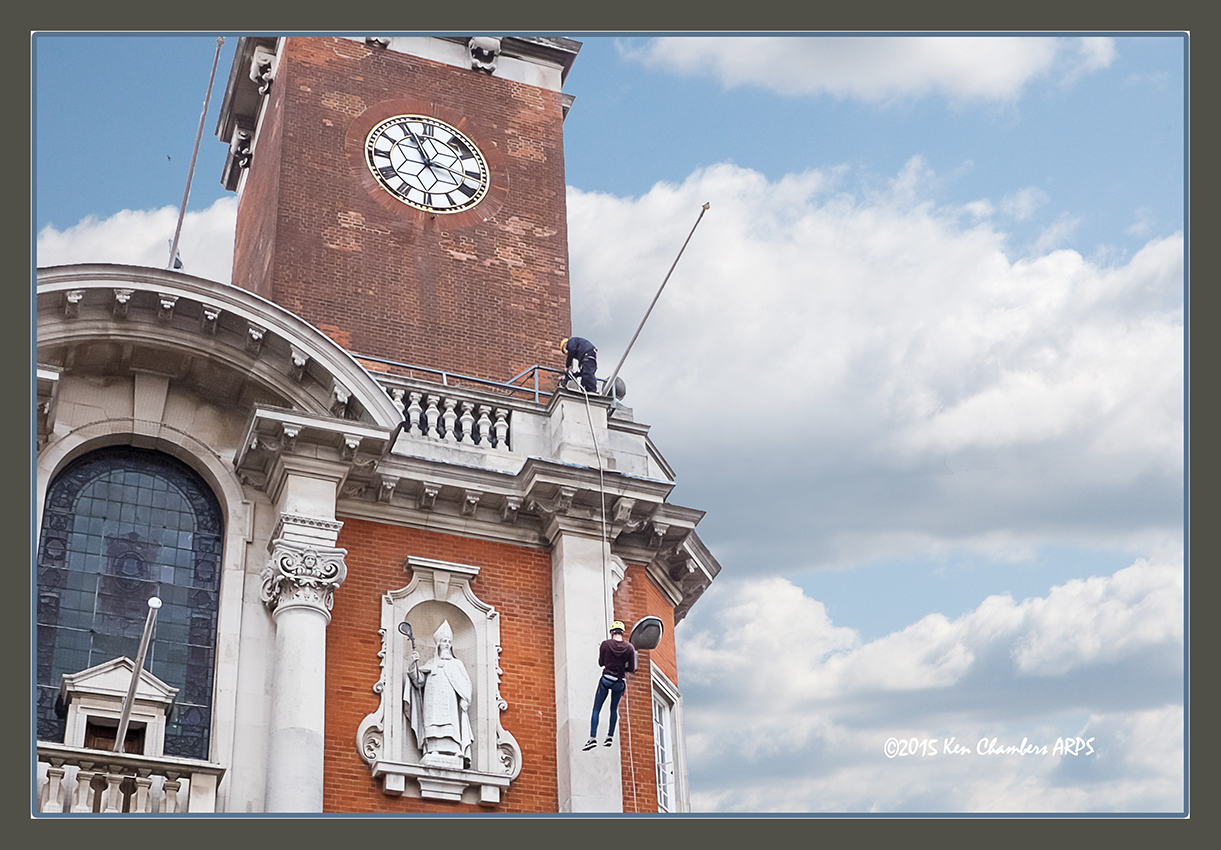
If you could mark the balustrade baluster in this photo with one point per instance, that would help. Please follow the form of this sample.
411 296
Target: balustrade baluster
413 416
84 789
53 789
502 429
113 801
171 793
142 801
450 417
433 415
485 427
468 424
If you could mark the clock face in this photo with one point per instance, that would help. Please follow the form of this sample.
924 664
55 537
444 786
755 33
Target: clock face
427 164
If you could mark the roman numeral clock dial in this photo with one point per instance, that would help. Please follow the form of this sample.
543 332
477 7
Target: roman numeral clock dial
427 164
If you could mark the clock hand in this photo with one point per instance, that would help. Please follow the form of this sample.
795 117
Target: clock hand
419 146
460 174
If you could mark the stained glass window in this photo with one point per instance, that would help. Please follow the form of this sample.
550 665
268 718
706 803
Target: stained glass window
121 525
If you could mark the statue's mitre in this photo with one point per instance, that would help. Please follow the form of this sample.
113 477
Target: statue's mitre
443 632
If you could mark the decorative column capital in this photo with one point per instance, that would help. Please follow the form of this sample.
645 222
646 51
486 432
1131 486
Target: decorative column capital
302 575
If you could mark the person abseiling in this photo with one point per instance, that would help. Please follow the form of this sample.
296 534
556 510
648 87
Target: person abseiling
617 657
580 351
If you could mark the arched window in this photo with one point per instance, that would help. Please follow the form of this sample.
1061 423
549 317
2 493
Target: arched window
121 525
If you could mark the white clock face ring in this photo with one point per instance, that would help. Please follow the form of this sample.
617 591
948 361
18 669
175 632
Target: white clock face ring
427 164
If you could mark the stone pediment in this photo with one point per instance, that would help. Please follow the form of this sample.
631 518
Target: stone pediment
111 679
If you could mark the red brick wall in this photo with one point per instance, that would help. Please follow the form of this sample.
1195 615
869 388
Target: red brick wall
254 245
484 298
635 598
516 581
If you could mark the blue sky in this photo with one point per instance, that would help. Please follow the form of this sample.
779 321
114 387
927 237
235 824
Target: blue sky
922 364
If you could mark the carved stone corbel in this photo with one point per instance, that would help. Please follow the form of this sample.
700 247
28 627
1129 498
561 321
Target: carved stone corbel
240 147
299 360
483 52
623 509
428 496
207 319
262 65
659 533
72 302
373 41
288 436
470 501
339 399
254 338
348 446
385 489
508 513
122 297
165 306
681 567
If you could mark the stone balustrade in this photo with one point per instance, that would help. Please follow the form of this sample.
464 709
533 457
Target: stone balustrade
454 417
76 779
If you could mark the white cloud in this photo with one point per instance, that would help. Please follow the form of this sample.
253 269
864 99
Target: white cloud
1022 203
878 69
803 708
1056 234
142 238
841 351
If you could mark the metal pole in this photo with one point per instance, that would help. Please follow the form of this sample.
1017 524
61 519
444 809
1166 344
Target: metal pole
608 387
153 604
182 211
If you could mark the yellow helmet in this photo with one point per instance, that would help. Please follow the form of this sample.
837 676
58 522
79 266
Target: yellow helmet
616 626
564 344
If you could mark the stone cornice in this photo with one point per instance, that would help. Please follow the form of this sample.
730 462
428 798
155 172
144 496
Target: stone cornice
238 328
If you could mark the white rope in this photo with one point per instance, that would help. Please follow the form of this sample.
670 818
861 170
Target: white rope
627 717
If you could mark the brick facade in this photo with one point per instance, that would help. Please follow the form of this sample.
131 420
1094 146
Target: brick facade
638 597
482 293
516 581
315 235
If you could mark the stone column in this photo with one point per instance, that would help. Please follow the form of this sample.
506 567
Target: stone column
581 586
298 587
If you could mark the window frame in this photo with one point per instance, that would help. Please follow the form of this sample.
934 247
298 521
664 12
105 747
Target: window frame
666 692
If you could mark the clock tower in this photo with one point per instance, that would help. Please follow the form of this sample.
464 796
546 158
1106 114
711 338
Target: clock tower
406 194
400 260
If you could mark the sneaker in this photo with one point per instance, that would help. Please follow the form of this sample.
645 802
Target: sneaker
589 745
608 742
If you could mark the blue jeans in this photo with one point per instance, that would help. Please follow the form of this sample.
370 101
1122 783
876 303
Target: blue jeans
616 691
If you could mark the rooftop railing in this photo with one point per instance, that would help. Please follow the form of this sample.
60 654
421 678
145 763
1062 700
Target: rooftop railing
535 387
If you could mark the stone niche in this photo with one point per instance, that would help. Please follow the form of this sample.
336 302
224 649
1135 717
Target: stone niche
439 592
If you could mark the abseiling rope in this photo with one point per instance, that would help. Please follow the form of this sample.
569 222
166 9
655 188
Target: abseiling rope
627 716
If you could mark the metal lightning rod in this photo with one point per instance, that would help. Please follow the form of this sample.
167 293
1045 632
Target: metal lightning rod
182 211
608 387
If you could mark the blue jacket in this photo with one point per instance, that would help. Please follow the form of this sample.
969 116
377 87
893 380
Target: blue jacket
579 349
